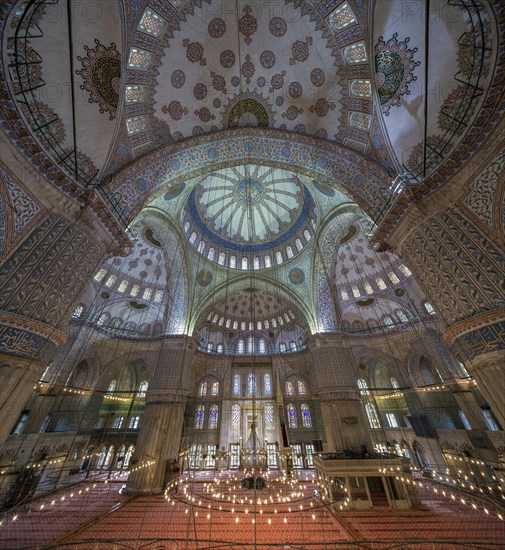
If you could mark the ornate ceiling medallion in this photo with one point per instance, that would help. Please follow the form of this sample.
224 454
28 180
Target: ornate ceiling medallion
394 68
102 75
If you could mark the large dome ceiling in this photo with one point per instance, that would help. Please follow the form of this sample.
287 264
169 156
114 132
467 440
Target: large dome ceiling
249 210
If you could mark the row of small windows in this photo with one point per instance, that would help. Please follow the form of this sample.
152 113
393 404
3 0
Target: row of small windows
245 263
388 321
243 325
379 281
252 384
147 293
130 328
251 345
141 390
118 422
208 388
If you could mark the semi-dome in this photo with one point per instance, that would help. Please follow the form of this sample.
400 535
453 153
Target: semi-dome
250 216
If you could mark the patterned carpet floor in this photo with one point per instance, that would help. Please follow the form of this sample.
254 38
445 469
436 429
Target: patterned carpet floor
282 515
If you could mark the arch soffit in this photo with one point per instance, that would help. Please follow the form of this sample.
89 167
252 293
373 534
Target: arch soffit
357 175
375 359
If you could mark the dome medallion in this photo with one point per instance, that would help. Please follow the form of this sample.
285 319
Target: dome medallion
252 211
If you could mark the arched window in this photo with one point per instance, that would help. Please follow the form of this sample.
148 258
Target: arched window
380 283
289 252
220 348
252 384
210 346
158 296
201 247
299 244
103 319
388 321
256 262
262 347
141 392
242 325
290 390
221 258
344 295
250 345
405 270
355 292
402 317
306 417
307 235
292 346
128 456
282 347
135 290
302 388
292 419
373 417
112 387
268 261
78 312
192 239
245 263
115 323
394 383
147 293
211 253
429 308
267 383
100 275
368 288
233 261
236 385
186 226
228 323
203 389
241 346
278 257
213 417
199 417
259 325
269 415
274 323
235 325
110 281
393 277
363 386
215 388
266 323
235 414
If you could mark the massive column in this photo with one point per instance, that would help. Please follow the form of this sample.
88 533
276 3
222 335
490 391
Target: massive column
50 246
158 445
335 383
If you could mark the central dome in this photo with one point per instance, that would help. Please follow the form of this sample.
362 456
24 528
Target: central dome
249 209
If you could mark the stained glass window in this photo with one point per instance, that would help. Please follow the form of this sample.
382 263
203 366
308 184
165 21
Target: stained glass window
393 277
245 263
268 261
220 348
292 419
302 388
135 290
215 388
139 59
341 17
252 384
282 347
236 384
123 285
213 417
306 417
299 244
363 386
250 345
289 251
199 417
361 88
141 392
240 346
151 23
136 124
100 275
235 414
355 53
203 389
290 390
147 293
262 347
267 382
307 235
380 283
233 261
360 120
134 94
278 257
269 415
292 345
221 258
368 288
405 270
211 253
373 418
